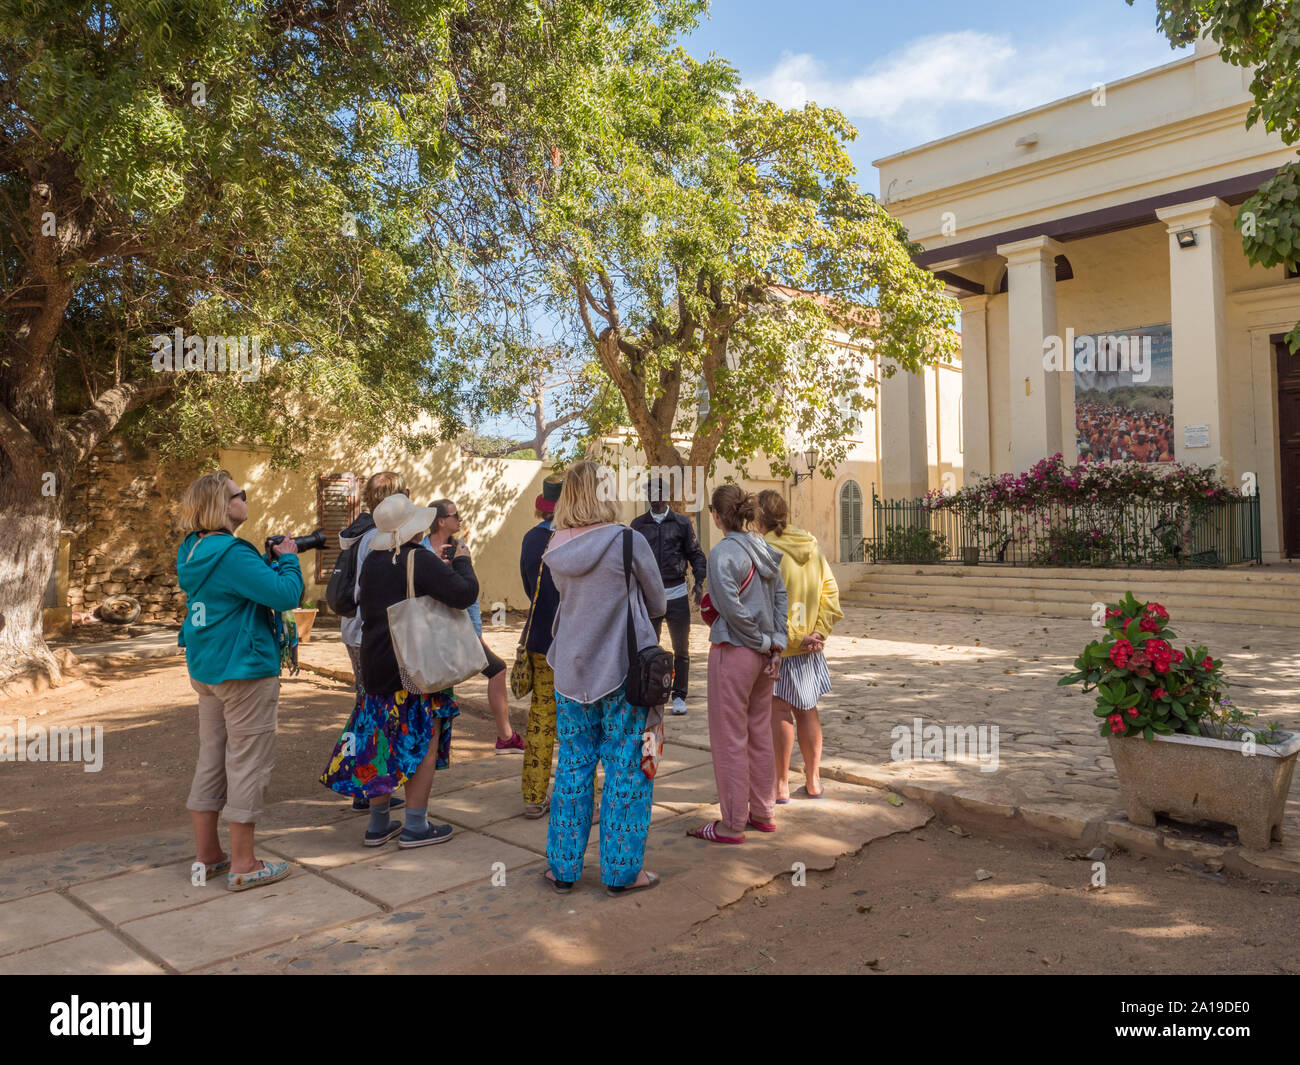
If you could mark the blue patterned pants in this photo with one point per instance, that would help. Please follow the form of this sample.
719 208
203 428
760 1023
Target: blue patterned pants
608 730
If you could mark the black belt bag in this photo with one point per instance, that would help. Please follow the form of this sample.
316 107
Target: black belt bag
649 670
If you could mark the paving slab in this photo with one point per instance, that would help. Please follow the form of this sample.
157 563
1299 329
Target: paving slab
237 921
93 954
38 919
324 846
92 860
397 877
147 891
531 834
688 789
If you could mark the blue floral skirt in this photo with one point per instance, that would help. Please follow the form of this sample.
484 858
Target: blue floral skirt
386 739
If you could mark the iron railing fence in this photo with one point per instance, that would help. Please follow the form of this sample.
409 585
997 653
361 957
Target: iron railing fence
1194 534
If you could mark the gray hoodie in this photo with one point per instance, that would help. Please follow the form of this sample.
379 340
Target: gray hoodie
589 649
755 619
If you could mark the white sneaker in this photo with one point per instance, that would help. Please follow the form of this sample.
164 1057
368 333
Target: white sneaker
679 705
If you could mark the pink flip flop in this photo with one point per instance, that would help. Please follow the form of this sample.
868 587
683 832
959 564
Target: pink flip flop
710 832
769 827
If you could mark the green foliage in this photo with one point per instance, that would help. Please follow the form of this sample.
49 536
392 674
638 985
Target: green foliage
1263 37
1144 686
909 543
706 242
341 179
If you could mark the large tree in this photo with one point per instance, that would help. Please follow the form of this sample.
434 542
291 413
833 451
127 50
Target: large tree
709 242
1263 35
322 176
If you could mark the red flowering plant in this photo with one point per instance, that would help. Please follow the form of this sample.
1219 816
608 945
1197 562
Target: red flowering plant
1143 683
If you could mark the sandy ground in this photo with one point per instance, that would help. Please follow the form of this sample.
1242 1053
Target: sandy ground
149 714
911 904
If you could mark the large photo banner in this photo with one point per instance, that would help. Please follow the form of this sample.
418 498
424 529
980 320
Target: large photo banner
1124 395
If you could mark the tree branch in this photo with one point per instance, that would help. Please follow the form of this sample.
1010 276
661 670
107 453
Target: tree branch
83 435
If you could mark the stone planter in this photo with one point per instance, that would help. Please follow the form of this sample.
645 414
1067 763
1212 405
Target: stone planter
305 619
1196 778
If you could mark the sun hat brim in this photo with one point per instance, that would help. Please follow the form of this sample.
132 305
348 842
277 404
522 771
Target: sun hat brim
421 518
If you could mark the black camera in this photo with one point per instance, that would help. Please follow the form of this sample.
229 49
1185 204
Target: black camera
311 542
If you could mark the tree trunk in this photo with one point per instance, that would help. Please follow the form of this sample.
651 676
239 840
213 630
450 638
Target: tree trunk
27 559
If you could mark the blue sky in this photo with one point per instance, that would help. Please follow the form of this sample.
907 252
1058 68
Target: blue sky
906 73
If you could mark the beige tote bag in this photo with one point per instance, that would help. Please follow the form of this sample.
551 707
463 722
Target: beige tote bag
435 644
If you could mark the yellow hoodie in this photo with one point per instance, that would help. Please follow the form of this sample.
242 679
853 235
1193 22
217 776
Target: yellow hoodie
810 586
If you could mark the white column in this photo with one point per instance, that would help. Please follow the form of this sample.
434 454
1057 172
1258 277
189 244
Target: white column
975 388
1198 311
1035 408
904 467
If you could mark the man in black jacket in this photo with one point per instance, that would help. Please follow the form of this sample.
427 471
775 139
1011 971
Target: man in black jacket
673 540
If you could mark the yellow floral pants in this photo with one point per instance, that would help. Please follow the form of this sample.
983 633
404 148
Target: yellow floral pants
539 736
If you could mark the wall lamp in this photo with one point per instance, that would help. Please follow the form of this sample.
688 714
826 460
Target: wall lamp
1186 238
810 458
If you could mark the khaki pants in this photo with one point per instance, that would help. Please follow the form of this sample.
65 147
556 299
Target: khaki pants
236 746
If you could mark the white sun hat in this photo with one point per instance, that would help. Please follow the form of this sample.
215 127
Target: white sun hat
397 520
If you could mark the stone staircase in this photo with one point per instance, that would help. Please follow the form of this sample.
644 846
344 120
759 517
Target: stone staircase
1245 595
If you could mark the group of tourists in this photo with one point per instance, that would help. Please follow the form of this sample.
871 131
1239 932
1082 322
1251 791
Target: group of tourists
771 604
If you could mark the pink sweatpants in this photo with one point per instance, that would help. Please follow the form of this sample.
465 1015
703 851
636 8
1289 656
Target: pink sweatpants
740 735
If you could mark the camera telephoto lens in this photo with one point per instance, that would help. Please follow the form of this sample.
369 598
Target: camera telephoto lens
314 542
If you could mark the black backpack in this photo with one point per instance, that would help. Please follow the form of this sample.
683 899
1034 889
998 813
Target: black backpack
649 670
340 593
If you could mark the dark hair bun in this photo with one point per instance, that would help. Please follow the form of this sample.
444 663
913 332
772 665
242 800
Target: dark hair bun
734 506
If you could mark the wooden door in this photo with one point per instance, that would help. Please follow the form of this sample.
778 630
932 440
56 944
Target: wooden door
1288 426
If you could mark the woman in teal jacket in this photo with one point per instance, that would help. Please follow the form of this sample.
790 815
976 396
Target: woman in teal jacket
233 658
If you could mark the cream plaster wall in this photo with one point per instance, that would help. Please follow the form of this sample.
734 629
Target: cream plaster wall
495 496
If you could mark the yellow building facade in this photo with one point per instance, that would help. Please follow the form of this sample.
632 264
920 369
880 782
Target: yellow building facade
1111 215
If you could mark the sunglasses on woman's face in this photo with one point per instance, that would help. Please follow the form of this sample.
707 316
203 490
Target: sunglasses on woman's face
240 495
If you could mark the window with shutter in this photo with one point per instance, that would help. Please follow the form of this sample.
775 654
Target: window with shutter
338 501
850 522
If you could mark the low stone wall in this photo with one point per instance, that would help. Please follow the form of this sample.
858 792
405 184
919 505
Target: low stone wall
120 516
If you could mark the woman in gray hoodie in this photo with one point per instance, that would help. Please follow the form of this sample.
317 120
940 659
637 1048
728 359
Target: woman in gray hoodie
747 638
589 657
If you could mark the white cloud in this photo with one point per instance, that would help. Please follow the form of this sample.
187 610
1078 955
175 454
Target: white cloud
941 83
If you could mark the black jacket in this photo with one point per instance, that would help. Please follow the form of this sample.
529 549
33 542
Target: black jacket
675 546
548 599
383 583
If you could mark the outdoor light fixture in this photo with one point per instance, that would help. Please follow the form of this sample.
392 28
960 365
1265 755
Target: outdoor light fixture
810 459
1186 238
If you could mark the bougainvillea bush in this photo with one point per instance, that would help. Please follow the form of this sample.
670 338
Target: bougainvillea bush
1051 481
1143 683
